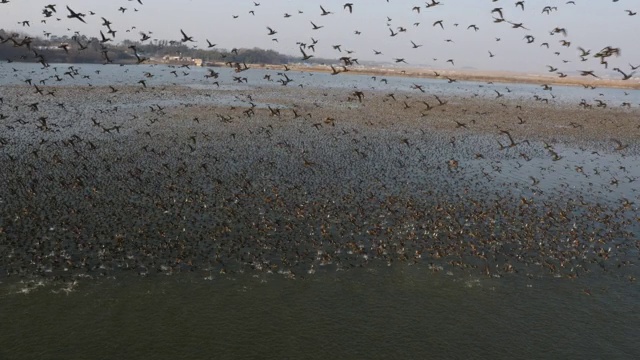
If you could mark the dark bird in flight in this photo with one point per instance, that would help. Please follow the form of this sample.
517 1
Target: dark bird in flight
348 6
315 27
324 12
587 73
304 55
441 102
73 14
517 25
104 39
512 143
433 3
186 38
624 75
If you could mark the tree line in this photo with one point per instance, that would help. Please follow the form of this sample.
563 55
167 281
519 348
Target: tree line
21 47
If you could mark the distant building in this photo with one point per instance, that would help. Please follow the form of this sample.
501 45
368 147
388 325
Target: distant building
51 48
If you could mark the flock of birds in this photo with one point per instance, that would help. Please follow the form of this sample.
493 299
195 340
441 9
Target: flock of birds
499 14
162 179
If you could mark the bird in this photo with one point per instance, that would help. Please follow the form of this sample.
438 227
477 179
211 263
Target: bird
185 38
304 55
324 12
588 73
75 15
559 30
348 6
104 39
625 76
511 142
517 25
619 145
433 3
499 11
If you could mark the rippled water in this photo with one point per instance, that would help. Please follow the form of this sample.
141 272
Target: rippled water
388 313
412 311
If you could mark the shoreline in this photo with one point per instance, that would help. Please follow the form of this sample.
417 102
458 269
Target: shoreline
479 76
476 76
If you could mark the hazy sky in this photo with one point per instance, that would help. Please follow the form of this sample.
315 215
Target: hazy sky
591 24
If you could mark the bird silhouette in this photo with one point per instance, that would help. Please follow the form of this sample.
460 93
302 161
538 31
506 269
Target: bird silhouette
185 38
75 15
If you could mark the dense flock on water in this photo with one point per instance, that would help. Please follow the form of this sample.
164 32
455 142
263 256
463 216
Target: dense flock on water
262 171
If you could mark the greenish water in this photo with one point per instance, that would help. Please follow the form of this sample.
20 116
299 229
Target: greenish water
395 312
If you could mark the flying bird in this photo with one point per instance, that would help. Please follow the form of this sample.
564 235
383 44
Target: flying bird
75 15
186 38
324 12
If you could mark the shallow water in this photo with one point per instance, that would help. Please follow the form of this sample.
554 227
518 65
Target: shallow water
257 206
388 313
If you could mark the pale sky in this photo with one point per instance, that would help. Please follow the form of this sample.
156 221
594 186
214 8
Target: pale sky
591 24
